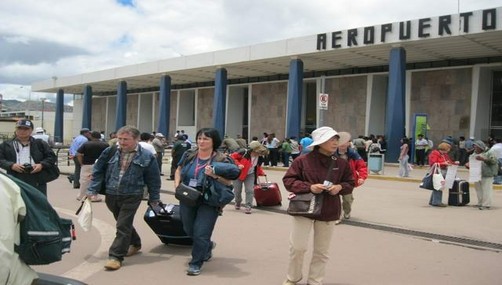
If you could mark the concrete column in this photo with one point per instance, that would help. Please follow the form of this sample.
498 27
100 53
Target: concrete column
87 108
121 105
395 112
59 119
220 97
165 105
295 93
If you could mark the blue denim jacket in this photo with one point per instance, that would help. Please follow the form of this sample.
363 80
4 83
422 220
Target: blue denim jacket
143 171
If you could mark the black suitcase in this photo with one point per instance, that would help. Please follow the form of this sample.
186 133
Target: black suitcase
49 279
165 221
459 193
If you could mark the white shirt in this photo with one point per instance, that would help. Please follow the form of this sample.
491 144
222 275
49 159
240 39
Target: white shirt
12 207
497 150
148 147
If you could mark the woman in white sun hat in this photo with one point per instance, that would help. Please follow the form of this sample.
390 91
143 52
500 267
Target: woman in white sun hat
319 171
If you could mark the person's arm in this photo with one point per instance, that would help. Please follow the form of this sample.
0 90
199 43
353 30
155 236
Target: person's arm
151 176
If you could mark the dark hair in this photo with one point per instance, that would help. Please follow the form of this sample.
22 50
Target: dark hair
96 135
145 136
210 133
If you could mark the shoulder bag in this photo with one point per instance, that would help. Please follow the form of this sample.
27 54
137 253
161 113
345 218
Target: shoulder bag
308 205
188 195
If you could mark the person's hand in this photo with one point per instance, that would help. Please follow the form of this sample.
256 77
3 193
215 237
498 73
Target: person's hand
317 188
479 157
335 189
37 168
240 166
360 181
456 162
209 171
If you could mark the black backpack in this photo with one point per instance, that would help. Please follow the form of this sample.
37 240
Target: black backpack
44 236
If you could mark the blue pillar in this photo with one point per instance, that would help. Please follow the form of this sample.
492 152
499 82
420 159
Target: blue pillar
121 105
59 119
87 108
295 92
395 109
165 105
220 96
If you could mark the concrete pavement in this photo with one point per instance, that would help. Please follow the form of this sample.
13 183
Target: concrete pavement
393 237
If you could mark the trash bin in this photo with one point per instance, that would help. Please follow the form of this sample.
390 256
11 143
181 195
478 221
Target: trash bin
376 163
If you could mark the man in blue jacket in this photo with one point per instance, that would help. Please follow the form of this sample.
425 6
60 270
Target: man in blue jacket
125 171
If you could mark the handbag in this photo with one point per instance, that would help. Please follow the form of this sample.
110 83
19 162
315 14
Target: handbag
438 180
84 214
307 205
217 194
188 195
49 174
427 180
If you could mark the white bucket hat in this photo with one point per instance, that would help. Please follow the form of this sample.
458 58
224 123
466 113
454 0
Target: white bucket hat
323 134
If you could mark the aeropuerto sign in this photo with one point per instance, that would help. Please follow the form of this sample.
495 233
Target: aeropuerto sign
433 27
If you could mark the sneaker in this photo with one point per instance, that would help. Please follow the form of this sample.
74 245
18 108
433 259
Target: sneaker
338 222
289 282
193 270
346 216
210 253
113 264
248 210
237 206
440 205
133 249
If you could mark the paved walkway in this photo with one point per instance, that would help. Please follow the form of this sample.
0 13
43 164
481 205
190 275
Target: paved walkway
393 237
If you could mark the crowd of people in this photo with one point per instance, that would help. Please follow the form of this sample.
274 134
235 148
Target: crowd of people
128 168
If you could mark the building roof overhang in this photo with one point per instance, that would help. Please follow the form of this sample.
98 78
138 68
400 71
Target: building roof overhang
479 38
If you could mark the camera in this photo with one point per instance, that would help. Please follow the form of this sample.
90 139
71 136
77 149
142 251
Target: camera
28 168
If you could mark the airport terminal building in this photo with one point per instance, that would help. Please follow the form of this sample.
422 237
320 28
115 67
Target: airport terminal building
440 76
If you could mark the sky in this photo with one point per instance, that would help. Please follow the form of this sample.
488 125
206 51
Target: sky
43 39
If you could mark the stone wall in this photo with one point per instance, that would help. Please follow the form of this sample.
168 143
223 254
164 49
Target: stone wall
445 96
347 104
268 109
205 106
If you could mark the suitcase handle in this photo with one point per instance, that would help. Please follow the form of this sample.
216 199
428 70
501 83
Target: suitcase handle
162 206
258 179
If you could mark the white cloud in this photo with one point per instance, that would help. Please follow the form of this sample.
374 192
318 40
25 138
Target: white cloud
41 39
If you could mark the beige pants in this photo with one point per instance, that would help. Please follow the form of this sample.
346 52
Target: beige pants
347 201
298 243
484 191
85 180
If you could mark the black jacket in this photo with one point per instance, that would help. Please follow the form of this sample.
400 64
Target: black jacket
40 152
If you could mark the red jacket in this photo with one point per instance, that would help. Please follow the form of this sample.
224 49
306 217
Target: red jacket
359 170
437 157
246 163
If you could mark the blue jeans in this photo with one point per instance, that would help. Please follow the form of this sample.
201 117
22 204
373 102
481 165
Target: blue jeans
436 198
198 223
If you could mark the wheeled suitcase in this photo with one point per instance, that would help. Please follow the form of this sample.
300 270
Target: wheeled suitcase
49 279
267 193
165 221
459 194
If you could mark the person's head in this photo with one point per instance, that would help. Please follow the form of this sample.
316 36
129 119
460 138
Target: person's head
479 146
113 135
95 135
444 147
24 128
128 137
208 138
257 148
420 136
405 140
145 137
85 132
39 130
159 135
326 139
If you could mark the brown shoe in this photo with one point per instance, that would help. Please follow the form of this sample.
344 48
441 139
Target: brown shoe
133 249
113 264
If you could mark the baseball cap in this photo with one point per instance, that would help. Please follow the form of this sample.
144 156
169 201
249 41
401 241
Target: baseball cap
24 124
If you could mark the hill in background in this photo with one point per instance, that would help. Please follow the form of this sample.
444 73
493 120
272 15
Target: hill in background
15 105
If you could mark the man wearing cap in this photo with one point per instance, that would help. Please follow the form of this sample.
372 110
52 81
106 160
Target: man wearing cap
319 172
78 141
489 168
40 134
25 157
158 144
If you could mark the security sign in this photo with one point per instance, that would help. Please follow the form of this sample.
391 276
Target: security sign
323 101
